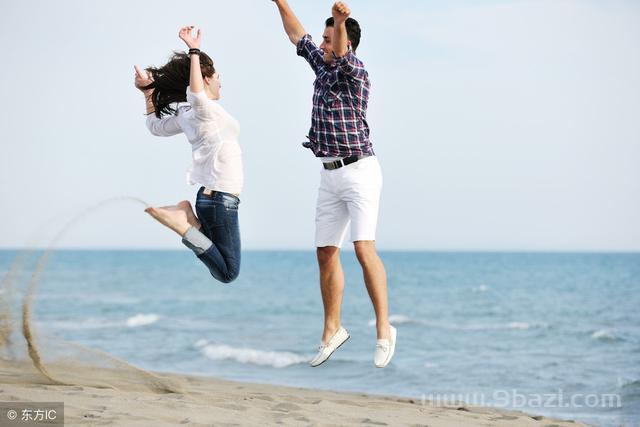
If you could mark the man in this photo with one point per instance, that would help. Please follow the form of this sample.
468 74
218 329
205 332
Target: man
350 180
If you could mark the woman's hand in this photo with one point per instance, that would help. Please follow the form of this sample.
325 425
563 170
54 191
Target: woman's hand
185 35
142 79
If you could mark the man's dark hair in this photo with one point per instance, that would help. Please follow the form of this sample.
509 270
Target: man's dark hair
353 31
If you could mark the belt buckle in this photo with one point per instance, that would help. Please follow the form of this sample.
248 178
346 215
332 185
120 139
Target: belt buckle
336 164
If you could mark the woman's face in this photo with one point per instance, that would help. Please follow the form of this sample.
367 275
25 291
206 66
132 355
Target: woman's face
213 86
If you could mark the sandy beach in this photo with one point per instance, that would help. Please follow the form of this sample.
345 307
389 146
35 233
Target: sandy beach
199 401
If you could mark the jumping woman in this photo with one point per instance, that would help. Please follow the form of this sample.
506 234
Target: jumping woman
190 81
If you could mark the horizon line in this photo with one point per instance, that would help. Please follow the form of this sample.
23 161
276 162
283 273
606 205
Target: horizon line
344 249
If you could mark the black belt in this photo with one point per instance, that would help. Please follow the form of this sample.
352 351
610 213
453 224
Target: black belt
337 164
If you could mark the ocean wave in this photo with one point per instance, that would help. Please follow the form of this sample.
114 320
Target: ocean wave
398 319
119 300
518 325
201 343
486 326
626 383
629 390
498 326
91 299
142 320
276 359
394 319
605 335
489 326
90 323
96 323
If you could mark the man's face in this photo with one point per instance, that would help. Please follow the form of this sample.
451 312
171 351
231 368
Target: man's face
326 46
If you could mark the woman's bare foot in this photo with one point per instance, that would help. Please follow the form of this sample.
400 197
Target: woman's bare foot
178 217
191 216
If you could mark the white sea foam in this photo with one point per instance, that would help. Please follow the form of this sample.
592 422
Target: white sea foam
628 383
604 335
276 359
200 343
519 325
397 319
486 326
430 365
92 298
142 320
394 319
481 288
510 325
89 323
96 323
120 300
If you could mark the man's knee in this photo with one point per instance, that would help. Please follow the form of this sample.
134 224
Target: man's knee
365 251
327 256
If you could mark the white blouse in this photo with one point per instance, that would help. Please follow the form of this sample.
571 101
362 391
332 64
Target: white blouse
213 134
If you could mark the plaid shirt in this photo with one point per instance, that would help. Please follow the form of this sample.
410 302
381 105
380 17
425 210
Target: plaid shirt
339 125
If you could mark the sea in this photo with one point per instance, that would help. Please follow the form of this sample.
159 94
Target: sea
555 334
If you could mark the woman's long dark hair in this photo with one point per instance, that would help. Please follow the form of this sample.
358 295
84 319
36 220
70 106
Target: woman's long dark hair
171 80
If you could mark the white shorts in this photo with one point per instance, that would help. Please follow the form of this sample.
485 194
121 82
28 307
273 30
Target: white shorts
350 194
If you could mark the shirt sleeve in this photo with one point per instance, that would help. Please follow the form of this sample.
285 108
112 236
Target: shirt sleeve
166 126
203 108
351 66
309 51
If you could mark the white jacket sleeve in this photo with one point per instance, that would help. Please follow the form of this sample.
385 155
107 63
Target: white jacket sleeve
166 126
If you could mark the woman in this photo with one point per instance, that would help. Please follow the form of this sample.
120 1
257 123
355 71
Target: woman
214 235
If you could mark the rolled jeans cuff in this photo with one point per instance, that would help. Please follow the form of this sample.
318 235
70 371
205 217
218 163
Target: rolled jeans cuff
196 241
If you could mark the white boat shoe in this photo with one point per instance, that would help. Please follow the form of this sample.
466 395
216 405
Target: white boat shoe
325 350
385 349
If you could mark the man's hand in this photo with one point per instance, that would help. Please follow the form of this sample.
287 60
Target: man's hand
190 41
340 12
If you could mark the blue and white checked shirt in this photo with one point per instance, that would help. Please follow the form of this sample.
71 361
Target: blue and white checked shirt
339 125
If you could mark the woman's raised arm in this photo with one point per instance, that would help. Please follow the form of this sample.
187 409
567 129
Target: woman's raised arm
196 83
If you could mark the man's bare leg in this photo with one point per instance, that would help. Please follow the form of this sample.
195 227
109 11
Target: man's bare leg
331 288
375 278
179 217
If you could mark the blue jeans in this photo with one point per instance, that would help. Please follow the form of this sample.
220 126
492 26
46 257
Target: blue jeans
218 214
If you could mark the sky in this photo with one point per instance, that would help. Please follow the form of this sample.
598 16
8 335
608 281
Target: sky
499 125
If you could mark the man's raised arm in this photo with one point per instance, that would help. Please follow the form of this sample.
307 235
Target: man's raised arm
292 26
